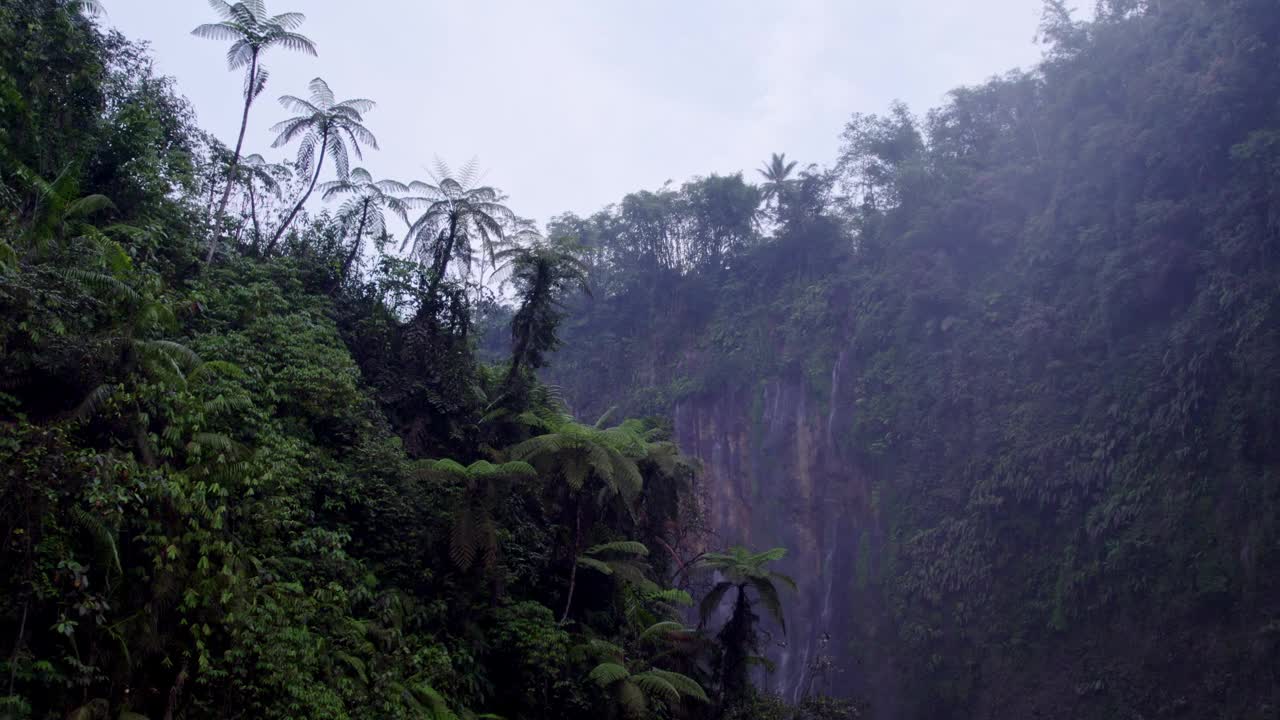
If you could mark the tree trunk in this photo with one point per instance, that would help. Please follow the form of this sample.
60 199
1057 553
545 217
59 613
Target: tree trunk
324 145
573 572
235 157
175 692
17 645
355 247
442 263
253 213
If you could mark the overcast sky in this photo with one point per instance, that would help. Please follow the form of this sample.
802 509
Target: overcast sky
571 105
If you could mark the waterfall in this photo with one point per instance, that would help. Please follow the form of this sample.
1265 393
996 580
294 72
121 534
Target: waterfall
835 394
822 628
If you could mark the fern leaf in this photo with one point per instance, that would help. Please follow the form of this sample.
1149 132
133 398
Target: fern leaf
608 673
621 547
661 629
597 565
655 685
685 685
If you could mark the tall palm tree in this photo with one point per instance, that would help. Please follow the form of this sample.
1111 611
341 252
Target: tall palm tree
326 126
741 569
251 32
541 273
458 213
778 180
366 208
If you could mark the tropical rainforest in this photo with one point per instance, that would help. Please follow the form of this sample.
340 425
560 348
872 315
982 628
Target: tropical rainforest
978 419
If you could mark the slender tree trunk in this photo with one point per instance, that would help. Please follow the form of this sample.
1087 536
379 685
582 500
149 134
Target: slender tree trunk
175 692
244 123
253 213
573 572
442 262
235 159
355 247
17 645
324 145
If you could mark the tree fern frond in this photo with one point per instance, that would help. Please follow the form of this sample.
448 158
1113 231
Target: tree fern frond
711 601
631 698
661 629
604 648
608 673
100 282
94 401
770 555
655 685
685 685
463 541
620 547
673 596
768 593
183 355
599 566
103 535
217 31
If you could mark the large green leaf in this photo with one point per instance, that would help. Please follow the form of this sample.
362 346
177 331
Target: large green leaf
608 673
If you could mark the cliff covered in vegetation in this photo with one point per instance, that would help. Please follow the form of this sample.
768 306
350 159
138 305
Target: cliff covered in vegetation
1003 377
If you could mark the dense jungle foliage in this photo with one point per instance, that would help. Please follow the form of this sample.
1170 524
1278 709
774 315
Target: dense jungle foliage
251 465
261 456
1054 304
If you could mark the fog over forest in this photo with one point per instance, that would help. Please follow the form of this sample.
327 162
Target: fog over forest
806 362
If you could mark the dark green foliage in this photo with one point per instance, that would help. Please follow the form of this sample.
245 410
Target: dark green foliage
1039 325
1053 305
541 275
212 497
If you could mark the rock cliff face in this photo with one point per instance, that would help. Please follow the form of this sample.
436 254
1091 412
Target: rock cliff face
774 476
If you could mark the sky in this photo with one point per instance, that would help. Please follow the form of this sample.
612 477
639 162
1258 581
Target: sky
570 105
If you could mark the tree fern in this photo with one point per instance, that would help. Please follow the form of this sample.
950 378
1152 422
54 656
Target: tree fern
251 32
457 215
621 547
474 533
327 128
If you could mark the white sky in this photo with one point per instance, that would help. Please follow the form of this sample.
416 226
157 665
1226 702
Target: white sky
569 105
